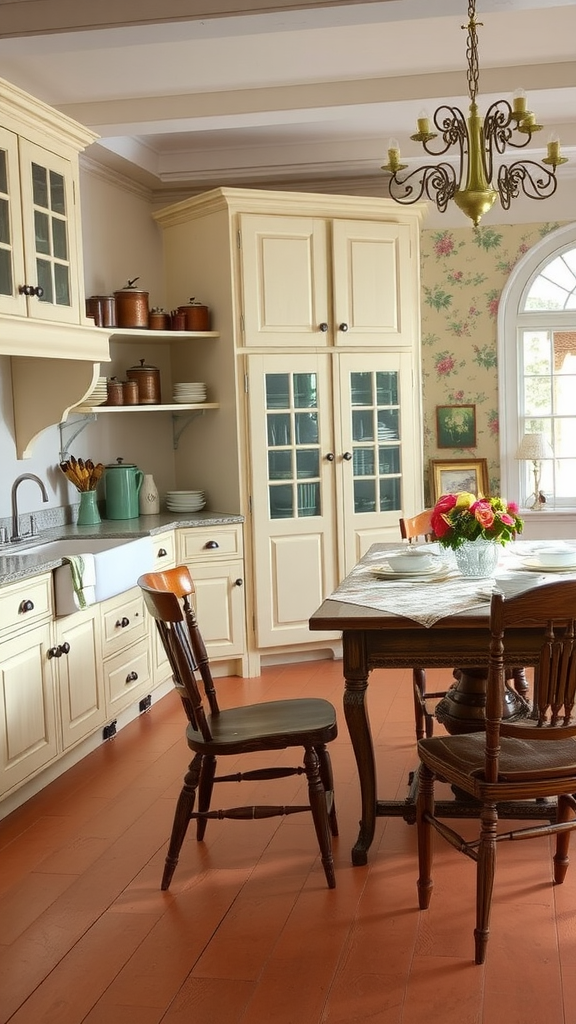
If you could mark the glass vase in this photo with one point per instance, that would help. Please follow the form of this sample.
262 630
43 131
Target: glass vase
88 514
477 558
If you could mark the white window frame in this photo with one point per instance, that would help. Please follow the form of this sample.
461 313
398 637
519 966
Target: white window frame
511 320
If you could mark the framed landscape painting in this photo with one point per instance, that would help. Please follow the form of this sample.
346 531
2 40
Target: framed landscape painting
456 426
449 476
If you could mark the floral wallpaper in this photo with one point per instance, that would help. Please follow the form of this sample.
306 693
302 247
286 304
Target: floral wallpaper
463 273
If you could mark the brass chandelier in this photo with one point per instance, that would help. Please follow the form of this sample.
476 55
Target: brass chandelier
479 140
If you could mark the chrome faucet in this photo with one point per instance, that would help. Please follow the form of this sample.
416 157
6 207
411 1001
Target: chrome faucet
16 535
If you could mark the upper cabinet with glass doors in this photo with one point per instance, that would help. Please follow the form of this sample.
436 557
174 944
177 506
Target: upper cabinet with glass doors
317 281
41 273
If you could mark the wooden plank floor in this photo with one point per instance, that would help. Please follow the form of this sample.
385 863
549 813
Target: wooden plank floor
249 932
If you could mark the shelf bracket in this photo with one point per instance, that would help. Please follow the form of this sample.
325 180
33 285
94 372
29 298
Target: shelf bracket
73 428
185 421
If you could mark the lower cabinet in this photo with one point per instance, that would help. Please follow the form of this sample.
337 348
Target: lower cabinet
28 721
125 650
214 556
78 660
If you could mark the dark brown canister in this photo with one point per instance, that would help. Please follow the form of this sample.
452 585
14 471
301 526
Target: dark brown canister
130 392
159 319
148 380
108 308
131 306
178 321
93 308
115 392
197 316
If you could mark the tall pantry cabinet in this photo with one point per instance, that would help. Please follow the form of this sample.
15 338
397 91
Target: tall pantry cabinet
318 439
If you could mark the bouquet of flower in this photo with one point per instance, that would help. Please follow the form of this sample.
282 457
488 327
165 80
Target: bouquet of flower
460 517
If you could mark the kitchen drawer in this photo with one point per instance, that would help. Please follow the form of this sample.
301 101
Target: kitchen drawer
209 543
127 676
23 604
164 547
123 621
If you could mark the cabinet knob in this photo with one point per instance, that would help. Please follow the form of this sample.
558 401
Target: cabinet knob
64 648
343 327
329 457
347 456
123 622
162 553
30 289
132 677
238 582
54 652
324 328
211 544
27 606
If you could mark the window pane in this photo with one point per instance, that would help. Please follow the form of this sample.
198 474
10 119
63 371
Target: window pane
5 272
43 271
361 389
42 233
40 186
62 283
308 462
57 194
387 388
4 222
305 394
281 502
3 172
277 391
279 465
59 239
537 353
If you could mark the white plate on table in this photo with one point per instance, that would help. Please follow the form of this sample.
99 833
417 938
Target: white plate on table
535 565
434 573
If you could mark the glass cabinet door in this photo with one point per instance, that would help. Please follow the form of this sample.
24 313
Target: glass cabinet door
375 432
11 249
293 445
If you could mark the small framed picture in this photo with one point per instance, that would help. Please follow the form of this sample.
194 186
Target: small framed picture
449 476
456 426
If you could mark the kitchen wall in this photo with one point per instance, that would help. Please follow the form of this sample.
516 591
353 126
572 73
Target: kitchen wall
463 273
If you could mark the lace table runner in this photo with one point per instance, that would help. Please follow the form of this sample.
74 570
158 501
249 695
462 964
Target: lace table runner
426 600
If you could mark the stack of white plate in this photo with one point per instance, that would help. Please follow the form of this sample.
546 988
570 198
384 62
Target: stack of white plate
185 501
97 396
189 393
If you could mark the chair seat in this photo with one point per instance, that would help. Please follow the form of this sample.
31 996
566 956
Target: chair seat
273 725
462 758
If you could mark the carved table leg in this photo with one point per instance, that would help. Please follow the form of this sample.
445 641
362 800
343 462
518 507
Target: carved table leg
355 686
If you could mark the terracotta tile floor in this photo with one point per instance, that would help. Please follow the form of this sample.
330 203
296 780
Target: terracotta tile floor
249 932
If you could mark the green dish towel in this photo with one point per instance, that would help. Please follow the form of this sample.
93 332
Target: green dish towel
82 570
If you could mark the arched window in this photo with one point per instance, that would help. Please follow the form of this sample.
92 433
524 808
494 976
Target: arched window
537 368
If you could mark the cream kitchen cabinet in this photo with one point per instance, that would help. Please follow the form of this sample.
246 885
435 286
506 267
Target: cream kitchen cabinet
164 558
28 718
77 655
326 281
214 556
285 274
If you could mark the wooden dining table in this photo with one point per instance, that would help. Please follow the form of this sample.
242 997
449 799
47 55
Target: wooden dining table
375 638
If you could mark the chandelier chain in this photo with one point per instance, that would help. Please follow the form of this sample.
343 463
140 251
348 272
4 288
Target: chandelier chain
472 73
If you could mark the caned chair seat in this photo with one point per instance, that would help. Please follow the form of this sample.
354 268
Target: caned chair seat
307 722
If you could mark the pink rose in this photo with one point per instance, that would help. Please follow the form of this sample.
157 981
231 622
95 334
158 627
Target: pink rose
483 513
506 519
512 508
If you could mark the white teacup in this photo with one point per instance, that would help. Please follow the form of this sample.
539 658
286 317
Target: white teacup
556 557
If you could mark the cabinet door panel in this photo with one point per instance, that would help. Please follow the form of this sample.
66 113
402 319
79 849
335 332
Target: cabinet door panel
293 492
80 676
379 446
49 225
11 244
28 739
373 283
219 605
284 280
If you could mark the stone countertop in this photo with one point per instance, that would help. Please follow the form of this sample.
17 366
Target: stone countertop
22 564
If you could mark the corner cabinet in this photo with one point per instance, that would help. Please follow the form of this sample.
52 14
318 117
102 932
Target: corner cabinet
319 441
43 325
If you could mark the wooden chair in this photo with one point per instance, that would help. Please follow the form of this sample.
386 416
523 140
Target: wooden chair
534 758
412 529
211 733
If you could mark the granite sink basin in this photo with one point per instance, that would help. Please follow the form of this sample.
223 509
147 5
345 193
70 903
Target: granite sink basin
112 566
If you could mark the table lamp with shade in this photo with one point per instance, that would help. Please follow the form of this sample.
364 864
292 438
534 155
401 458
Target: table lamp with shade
534 448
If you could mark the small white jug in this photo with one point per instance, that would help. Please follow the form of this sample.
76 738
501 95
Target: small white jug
148 498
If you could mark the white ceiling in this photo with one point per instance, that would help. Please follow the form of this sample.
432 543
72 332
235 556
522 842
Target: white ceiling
301 93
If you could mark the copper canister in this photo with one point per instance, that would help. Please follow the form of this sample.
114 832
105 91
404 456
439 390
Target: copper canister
148 380
197 316
115 392
130 393
159 319
131 306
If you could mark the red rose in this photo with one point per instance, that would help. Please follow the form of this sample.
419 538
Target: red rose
438 520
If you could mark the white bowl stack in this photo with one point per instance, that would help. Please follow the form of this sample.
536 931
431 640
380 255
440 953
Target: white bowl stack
189 393
185 501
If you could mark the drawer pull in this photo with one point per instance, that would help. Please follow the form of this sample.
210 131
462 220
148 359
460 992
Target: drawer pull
161 553
238 582
211 544
123 622
132 677
27 606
